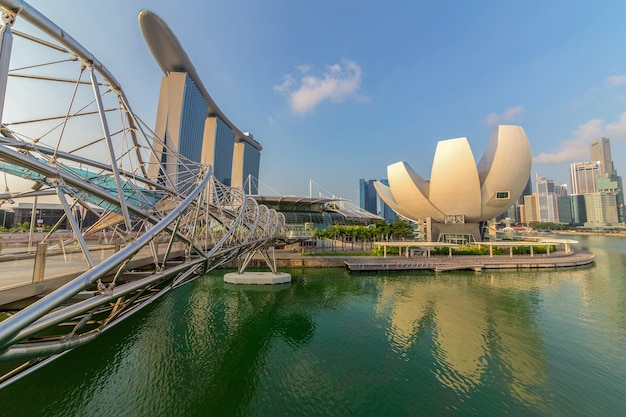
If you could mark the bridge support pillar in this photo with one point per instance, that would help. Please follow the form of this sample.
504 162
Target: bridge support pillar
40 262
273 277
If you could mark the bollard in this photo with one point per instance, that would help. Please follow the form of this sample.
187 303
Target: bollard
40 262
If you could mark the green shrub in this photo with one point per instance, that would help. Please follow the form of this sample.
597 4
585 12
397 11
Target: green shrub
391 251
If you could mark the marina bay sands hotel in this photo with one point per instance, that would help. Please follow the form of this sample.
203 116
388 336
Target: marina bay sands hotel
188 120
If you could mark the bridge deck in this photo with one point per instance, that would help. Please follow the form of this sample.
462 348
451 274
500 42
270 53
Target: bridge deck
17 266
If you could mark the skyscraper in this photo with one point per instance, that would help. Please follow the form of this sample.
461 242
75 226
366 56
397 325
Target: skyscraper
528 190
368 196
612 183
369 200
601 209
386 212
246 161
547 200
189 122
579 210
180 114
583 176
600 151
530 208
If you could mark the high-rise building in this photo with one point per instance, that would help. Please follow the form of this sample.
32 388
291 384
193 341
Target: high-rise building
530 208
612 183
386 212
246 164
547 200
583 177
370 201
189 123
600 151
180 114
368 196
601 209
528 190
579 211
564 204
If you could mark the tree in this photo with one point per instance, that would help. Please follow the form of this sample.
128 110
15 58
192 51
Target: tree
382 230
401 229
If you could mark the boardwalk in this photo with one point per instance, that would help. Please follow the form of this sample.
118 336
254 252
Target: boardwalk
475 263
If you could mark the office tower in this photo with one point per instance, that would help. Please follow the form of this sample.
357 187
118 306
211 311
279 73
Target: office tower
530 208
583 177
528 190
612 183
600 151
601 209
369 200
546 200
579 211
368 196
386 212
564 204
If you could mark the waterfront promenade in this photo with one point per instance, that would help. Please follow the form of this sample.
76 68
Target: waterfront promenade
18 282
440 263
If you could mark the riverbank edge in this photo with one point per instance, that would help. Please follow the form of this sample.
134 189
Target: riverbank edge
287 259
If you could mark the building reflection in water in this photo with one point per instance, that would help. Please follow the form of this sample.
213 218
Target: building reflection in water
480 328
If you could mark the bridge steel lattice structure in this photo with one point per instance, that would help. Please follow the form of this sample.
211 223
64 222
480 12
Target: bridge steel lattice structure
67 130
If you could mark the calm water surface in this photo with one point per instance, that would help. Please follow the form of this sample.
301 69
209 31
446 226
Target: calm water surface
531 343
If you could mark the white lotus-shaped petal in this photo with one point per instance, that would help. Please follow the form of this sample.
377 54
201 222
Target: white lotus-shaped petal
456 185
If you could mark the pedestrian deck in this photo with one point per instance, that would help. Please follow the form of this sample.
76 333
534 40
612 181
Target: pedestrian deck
19 285
474 263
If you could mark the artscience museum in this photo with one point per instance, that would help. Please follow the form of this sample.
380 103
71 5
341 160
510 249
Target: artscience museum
460 196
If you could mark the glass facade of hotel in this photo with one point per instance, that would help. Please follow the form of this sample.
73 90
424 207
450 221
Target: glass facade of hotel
193 112
251 165
223 156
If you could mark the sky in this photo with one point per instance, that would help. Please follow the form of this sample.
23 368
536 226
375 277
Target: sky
337 90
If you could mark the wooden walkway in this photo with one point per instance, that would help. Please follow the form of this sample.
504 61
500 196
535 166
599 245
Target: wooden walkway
473 263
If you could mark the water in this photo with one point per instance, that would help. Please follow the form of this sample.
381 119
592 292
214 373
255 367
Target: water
530 343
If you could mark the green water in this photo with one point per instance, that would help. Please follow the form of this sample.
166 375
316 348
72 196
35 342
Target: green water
530 343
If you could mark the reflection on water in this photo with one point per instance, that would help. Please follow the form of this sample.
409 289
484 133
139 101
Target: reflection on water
476 331
519 343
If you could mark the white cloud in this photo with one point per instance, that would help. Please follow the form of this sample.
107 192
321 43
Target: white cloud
509 115
617 130
615 80
576 148
338 82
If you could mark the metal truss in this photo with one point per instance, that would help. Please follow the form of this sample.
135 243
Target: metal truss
68 130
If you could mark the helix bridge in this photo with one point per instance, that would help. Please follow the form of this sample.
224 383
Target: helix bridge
68 132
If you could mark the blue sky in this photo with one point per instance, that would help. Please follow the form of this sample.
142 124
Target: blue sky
337 90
